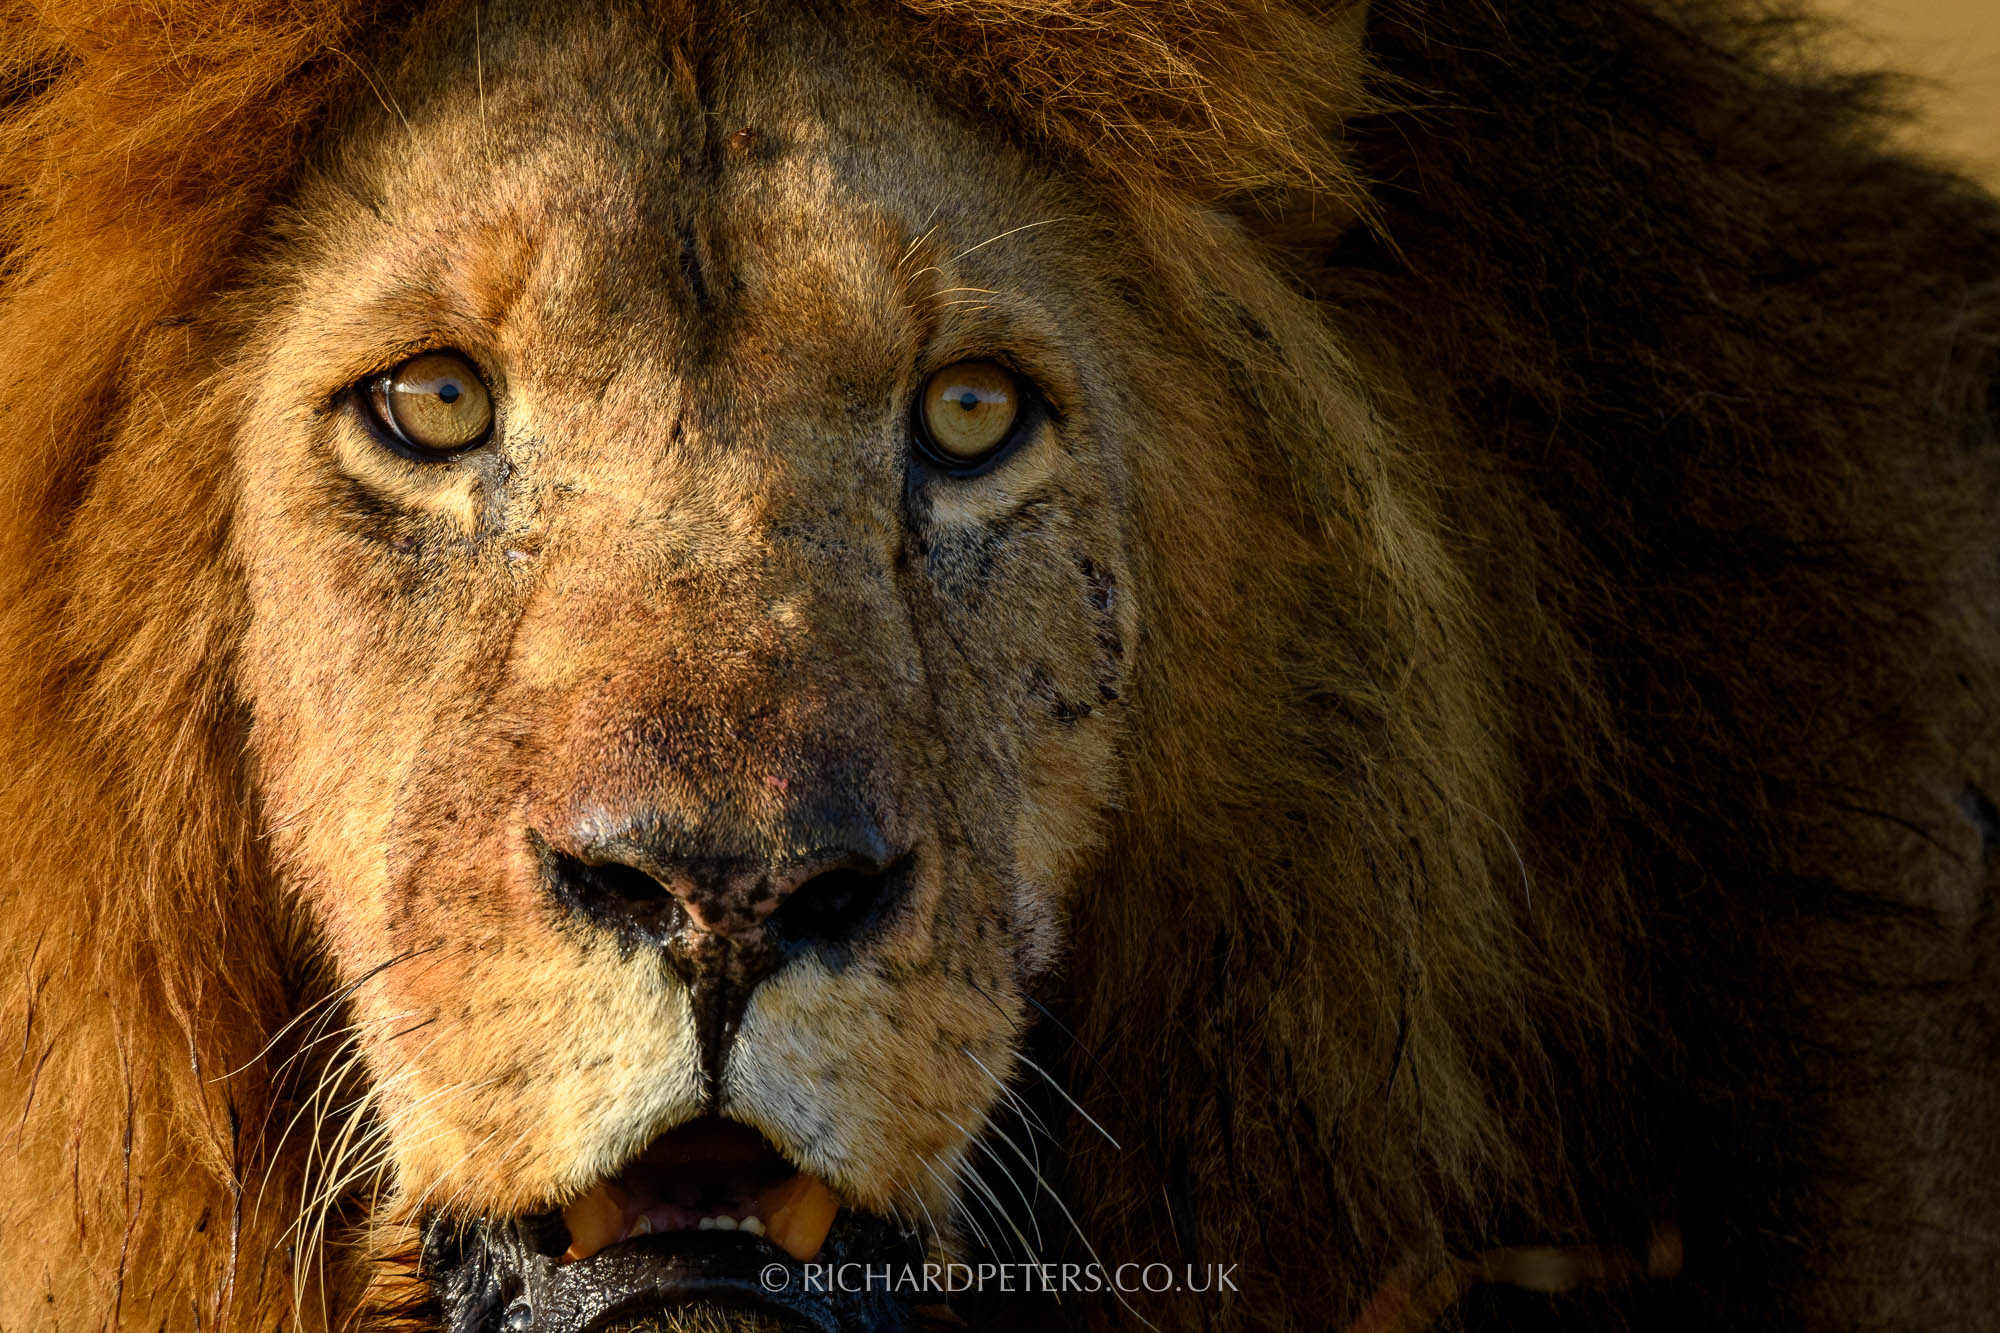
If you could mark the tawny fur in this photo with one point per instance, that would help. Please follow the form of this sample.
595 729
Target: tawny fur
1559 801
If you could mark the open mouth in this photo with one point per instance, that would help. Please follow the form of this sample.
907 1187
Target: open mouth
709 1214
709 1175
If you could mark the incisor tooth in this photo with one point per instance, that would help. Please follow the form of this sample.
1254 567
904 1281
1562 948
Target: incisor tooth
706 1224
751 1225
725 1224
798 1214
642 1225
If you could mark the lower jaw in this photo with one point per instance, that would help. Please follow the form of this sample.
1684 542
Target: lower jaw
499 1278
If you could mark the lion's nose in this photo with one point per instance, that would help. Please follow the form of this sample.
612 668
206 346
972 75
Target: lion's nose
725 919
825 897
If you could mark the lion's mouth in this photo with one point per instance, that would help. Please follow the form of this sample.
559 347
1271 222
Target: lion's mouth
710 1175
708 1214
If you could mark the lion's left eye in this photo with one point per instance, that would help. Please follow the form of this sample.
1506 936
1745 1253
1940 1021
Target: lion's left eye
432 405
967 413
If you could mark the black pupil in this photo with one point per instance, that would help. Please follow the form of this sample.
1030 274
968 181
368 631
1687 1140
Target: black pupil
968 400
448 393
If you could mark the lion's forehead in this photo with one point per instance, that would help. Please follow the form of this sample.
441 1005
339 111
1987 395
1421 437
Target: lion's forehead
773 182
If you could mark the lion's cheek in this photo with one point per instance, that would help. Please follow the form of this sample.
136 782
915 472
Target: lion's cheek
334 756
545 1069
1058 821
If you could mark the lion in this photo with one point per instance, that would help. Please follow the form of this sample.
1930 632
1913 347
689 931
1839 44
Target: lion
1213 664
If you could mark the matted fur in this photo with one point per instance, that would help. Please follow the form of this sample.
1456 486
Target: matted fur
1579 824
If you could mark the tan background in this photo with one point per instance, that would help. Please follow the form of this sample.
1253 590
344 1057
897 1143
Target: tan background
1955 44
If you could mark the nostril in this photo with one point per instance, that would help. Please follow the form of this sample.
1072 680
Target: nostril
634 888
838 906
619 896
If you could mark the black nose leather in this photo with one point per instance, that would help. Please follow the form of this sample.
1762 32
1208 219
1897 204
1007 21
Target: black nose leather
725 918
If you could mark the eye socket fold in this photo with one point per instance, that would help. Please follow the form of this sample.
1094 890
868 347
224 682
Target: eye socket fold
968 412
431 406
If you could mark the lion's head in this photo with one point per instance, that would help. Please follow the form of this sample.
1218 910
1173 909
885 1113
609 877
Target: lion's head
666 641
686 522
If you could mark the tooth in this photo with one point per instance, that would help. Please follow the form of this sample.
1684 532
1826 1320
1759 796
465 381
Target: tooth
595 1219
642 1225
706 1224
751 1225
725 1224
797 1215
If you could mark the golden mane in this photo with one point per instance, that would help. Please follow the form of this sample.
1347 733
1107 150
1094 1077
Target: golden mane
1610 251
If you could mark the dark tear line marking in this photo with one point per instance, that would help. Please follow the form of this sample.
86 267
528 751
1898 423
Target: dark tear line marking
691 268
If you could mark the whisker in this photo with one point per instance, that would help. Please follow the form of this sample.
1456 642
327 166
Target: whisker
332 997
938 1244
978 1190
1061 1027
1014 1100
1091 1120
1041 1182
1032 1252
952 1198
1065 1029
356 1139
929 228
388 102
1011 231
1088 1248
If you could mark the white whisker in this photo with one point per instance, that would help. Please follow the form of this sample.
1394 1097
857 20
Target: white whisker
1072 1101
1011 231
983 1146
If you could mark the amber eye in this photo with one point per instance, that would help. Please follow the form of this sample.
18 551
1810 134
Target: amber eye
432 404
967 412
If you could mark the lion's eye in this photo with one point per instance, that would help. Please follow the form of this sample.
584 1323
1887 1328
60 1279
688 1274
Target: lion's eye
433 404
967 412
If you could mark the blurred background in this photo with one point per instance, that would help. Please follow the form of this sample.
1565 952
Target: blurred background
1955 45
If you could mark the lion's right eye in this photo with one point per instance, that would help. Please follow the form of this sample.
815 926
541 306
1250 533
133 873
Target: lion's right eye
968 413
431 406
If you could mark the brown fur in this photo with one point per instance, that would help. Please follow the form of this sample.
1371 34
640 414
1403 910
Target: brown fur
1544 786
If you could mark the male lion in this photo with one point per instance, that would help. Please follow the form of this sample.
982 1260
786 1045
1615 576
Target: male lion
1337 666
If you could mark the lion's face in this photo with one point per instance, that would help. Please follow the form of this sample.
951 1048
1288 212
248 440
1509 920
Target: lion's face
666 707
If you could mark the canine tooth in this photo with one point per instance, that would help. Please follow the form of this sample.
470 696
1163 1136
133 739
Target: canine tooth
642 1225
706 1224
595 1219
725 1224
751 1225
798 1214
